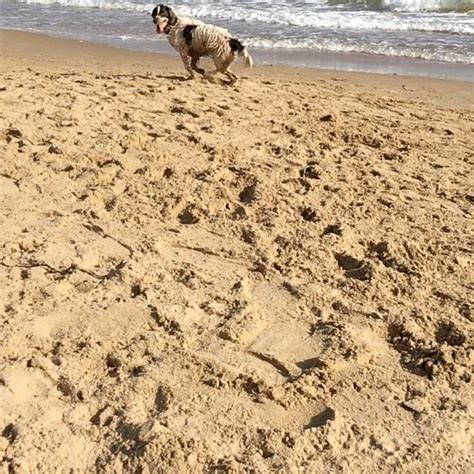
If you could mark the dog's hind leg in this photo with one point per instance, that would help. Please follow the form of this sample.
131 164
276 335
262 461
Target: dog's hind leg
194 65
225 69
221 67
232 76
209 75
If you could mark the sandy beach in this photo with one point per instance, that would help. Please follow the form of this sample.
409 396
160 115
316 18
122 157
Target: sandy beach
274 277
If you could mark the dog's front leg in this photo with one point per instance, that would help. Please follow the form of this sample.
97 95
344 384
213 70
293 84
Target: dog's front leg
187 64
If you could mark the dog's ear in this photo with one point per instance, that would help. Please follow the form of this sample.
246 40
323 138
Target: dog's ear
154 12
162 9
171 15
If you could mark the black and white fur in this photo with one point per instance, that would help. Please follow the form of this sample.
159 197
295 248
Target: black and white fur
194 39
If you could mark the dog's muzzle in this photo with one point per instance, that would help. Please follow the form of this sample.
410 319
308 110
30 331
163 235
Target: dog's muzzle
160 24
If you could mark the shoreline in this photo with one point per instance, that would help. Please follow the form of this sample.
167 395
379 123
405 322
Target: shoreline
18 46
315 60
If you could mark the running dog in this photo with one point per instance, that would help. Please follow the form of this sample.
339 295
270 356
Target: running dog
194 39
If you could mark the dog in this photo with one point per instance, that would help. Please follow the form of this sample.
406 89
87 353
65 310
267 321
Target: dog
194 39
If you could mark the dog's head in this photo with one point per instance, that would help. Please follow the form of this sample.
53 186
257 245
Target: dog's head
164 18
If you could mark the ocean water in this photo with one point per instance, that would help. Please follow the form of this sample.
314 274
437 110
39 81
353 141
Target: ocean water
418 37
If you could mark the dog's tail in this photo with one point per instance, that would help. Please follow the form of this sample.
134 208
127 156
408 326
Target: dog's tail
247 58
241 50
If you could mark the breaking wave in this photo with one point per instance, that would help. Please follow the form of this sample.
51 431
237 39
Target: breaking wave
385 49
312 14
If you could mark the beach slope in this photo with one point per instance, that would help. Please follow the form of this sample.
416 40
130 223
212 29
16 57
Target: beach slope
197 278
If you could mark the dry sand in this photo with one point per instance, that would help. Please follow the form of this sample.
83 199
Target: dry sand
196 278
